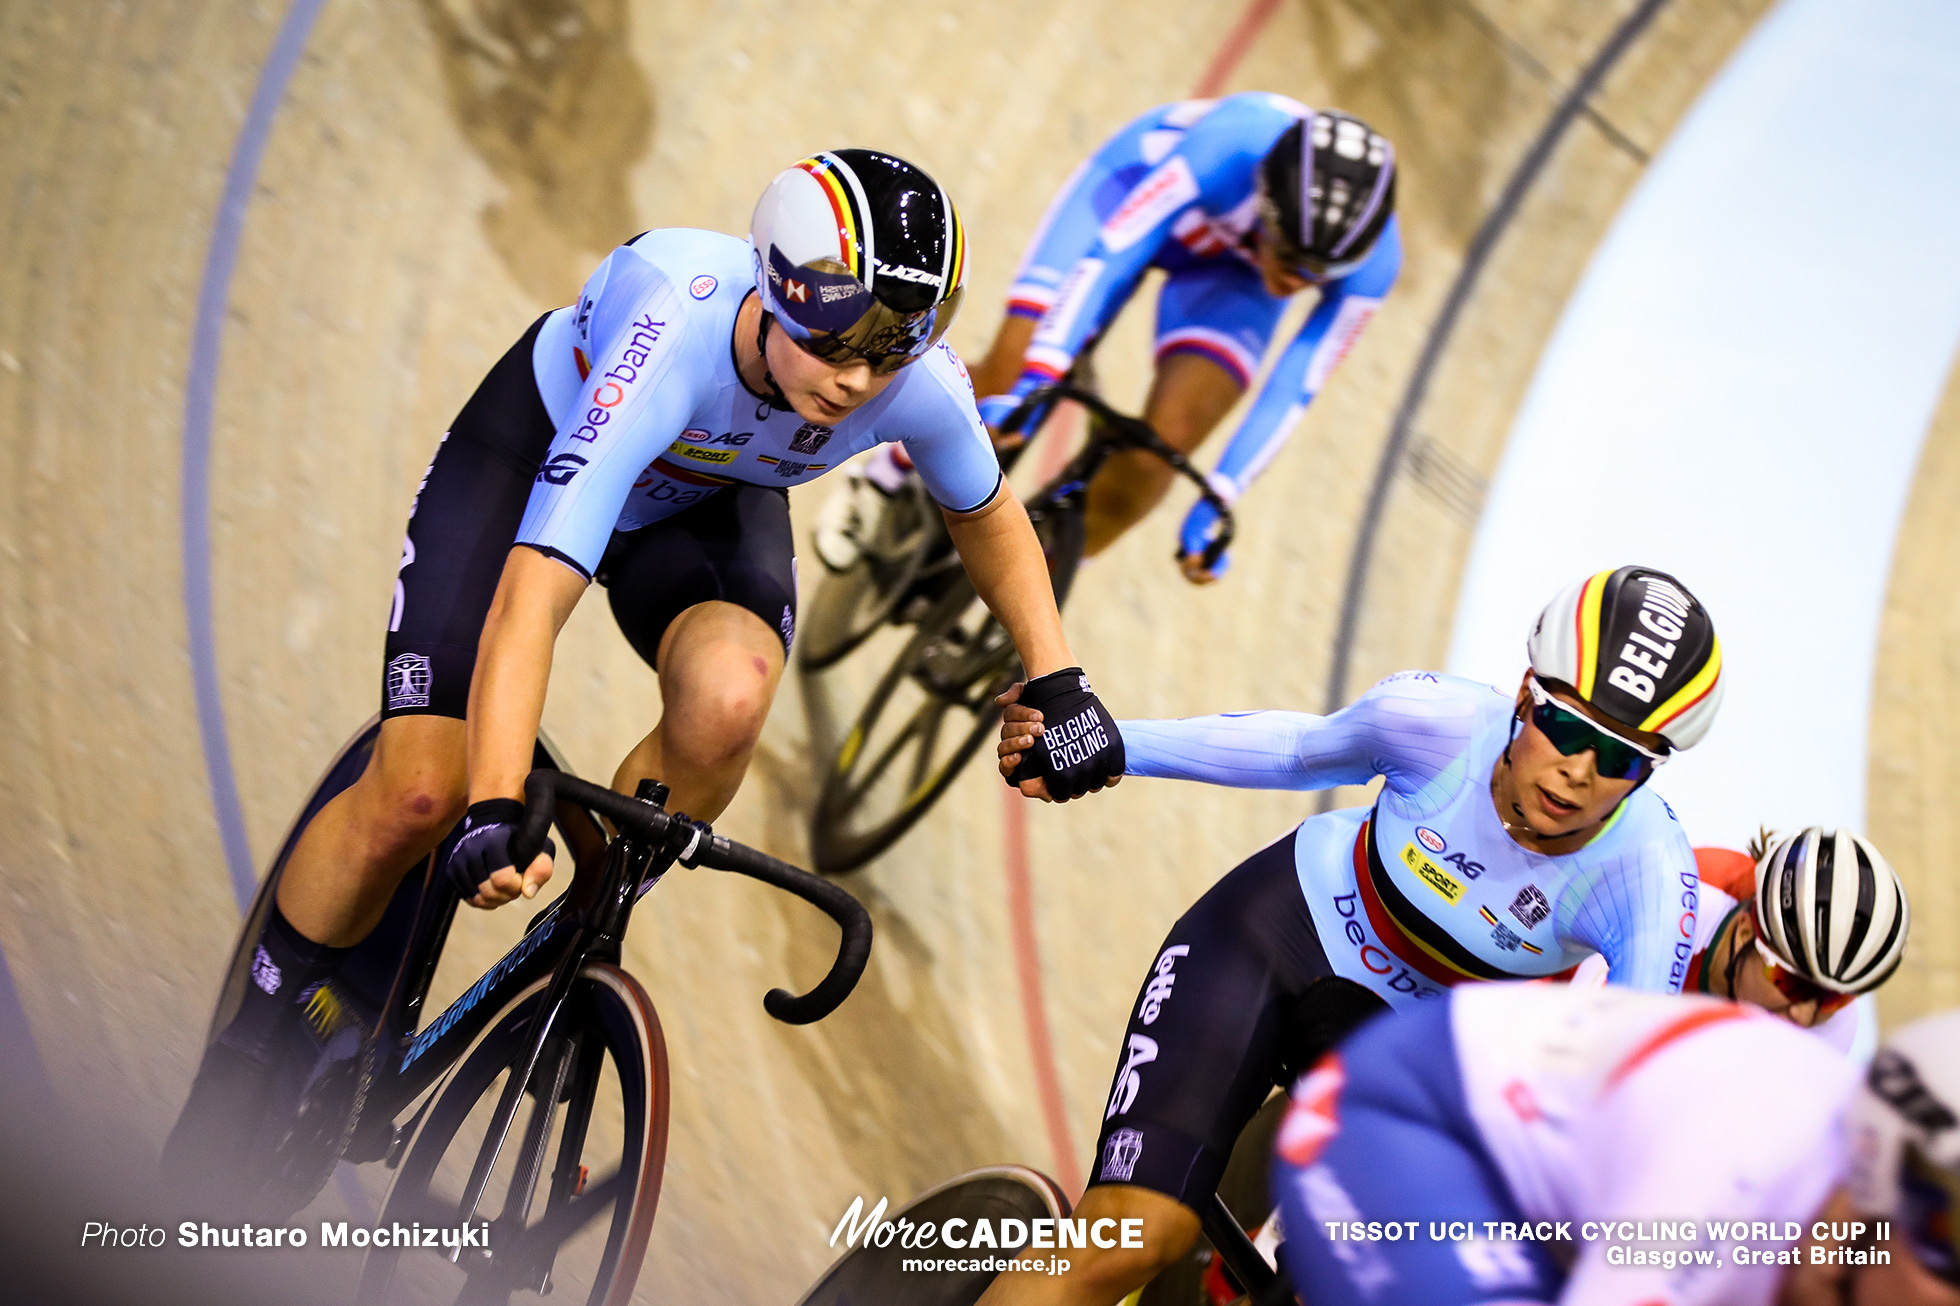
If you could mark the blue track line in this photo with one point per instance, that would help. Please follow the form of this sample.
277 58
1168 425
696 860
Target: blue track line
200 391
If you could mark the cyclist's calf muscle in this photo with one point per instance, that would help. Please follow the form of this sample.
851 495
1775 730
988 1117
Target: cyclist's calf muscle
1188 399
1102 1276
350 857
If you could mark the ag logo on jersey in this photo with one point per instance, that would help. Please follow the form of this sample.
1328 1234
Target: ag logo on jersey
702 286
1429 839
561 469
1433 875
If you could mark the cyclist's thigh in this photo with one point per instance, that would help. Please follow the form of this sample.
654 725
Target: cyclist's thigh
1203 1046
735 547
1402 1148
1219 309
460 529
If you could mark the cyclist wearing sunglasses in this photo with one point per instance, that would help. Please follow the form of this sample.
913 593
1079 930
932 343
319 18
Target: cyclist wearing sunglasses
1513 836
1819 918
1243 202
645 437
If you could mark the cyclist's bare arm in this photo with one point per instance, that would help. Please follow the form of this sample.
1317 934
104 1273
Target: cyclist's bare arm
1003 558
513 668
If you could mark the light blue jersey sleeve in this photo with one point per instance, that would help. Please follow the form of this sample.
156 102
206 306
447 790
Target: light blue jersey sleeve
1412 728
937 422
634 403
1344 310
1640 908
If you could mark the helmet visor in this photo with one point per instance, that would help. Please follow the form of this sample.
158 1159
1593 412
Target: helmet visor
834 317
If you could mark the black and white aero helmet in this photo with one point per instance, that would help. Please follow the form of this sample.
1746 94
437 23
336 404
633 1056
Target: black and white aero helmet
1326 193
859 254
1830 908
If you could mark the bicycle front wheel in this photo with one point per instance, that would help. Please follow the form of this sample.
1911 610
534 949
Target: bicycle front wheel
929 714
571 1189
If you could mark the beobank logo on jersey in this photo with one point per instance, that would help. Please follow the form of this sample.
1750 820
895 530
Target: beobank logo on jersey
622 378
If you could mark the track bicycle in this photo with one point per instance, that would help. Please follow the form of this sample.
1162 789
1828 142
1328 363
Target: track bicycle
933 707
546 1128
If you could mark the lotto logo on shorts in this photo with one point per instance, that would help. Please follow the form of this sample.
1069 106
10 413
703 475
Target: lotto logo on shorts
1162 978
408 681
1119 1158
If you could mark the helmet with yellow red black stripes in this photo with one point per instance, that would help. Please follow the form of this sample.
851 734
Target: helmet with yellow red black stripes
859 254
1636 646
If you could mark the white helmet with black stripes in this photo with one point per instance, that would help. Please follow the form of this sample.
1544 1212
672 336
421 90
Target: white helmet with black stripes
1830 907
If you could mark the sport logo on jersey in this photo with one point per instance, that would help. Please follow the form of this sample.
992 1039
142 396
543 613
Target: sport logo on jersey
1433 875
1530 906
561 469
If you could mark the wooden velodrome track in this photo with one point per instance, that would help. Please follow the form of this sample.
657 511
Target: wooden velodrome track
432 176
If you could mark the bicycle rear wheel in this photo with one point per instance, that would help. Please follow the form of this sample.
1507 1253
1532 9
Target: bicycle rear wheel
598 1181
928 715
849 605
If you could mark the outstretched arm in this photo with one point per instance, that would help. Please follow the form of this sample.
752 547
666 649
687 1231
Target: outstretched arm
1003 558
1330 331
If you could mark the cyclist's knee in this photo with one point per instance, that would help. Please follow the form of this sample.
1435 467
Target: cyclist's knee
724 721
417 785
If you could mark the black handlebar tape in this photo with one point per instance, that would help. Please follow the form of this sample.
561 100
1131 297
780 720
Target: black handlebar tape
853 950
543 787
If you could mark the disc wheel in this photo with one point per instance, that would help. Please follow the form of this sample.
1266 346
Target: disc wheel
907 541
593 1120
927 716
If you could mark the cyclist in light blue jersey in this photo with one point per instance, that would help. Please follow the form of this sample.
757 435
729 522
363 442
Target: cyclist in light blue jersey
644 438
1243 202
1514 835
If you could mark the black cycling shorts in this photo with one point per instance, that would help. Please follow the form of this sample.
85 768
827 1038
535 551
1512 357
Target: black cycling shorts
735 546
1239 997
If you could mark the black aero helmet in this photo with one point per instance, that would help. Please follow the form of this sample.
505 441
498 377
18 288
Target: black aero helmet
1326 192
859 254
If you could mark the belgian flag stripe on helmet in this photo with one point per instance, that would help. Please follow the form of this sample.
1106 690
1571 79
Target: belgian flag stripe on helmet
1689 694
1587 616
844 204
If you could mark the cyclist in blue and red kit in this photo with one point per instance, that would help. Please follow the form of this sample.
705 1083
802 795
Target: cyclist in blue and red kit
1243 202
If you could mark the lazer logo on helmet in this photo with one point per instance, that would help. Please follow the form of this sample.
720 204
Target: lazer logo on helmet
909 274
1645 659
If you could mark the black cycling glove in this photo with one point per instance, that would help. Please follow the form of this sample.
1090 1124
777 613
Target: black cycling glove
483 848
1079 748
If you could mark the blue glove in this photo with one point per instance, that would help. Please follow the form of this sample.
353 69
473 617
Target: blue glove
483 848
1200 528
995 409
